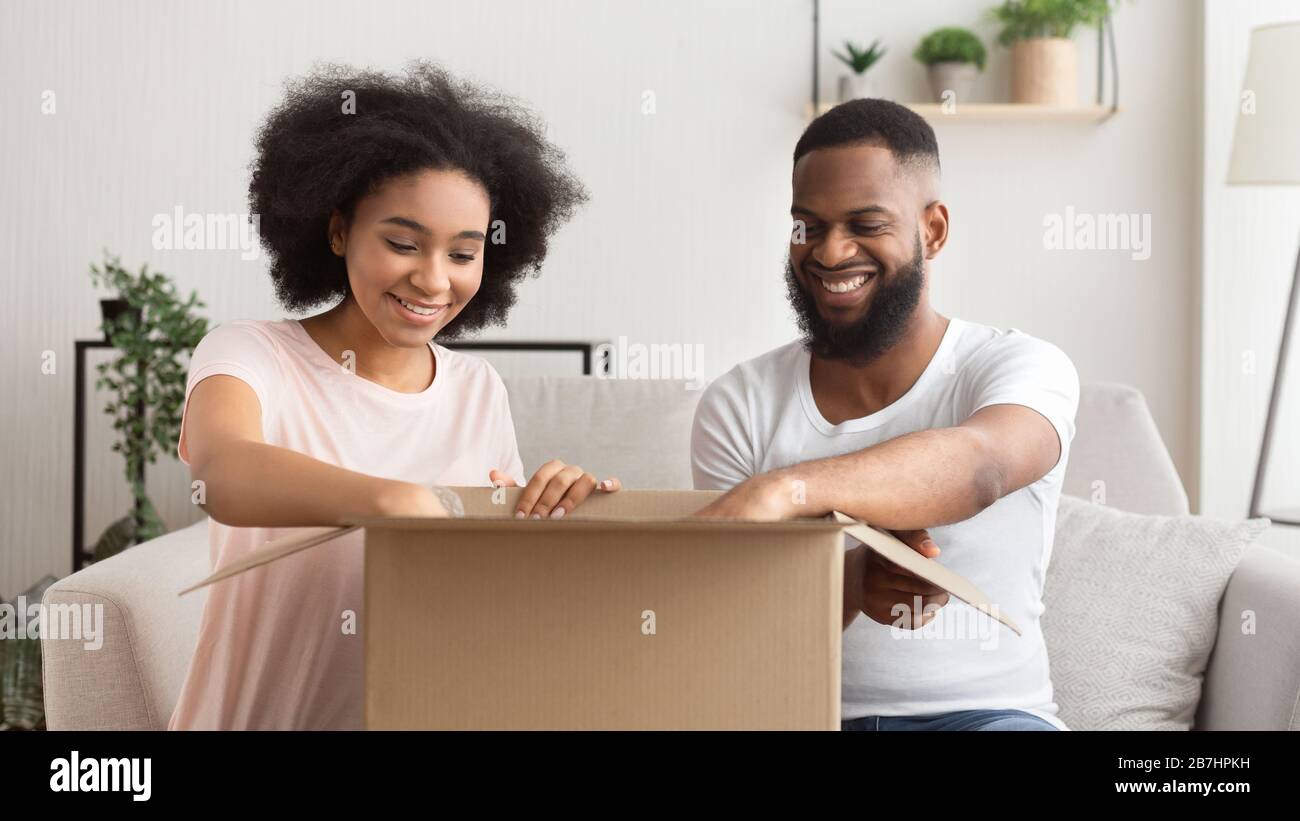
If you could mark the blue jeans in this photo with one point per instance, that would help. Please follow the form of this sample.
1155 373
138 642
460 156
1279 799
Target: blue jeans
962 720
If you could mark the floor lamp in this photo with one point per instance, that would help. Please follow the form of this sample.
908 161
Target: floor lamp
1266 151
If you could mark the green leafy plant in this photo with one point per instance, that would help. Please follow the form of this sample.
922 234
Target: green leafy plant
859 59
951 45
22 692
1024 19
147 379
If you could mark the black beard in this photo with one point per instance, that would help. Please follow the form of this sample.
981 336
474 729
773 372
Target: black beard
884 323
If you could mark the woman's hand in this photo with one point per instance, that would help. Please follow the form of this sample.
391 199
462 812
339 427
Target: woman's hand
554 490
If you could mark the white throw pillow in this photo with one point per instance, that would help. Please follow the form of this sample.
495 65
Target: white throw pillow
1131 612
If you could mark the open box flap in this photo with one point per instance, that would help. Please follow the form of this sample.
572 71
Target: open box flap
890 547
300 539
666 509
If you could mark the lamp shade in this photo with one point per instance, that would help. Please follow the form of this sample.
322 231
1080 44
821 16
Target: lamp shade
1266 145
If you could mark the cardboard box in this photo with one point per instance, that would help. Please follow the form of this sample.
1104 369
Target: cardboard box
626 614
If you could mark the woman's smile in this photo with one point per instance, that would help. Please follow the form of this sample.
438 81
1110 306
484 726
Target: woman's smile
419 313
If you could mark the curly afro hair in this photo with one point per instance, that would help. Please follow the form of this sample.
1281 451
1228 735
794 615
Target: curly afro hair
313 158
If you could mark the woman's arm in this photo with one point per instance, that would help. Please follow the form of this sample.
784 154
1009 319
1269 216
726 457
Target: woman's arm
248 483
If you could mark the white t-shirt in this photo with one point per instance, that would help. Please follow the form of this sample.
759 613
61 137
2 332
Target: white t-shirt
761 416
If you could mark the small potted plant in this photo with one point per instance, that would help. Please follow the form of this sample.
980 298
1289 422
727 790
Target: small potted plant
953 57
1045 61
153 331
857 85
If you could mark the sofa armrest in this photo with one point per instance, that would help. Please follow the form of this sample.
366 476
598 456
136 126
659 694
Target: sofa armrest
1253 678
130 676
94 688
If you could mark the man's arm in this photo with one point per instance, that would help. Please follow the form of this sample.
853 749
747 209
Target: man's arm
721 459
918 480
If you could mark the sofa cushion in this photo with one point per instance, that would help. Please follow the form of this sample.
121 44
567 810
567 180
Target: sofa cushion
636 429
1117 457
1132 612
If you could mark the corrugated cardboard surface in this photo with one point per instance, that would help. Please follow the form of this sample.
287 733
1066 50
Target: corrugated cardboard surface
492 622
481 502
489 622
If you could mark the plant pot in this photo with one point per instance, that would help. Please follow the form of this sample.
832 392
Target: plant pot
111 309
959 78
856 87
1045 71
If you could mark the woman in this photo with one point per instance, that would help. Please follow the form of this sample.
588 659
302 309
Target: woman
413 205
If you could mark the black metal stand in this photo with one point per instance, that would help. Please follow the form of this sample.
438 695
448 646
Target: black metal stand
583 348
1261 468
80 556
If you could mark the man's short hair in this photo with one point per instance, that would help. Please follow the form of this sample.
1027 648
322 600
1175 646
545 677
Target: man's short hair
874 122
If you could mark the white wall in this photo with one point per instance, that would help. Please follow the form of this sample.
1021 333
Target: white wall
1120 319
685 233
1250 242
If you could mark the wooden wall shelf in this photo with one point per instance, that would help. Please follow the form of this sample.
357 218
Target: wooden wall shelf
1098 112
1005 112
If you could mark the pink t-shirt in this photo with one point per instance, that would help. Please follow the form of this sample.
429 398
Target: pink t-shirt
280 646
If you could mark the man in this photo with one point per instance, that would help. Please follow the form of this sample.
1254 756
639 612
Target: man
925 425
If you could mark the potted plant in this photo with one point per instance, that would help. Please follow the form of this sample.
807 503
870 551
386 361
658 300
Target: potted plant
22 693
857 85
953 57
1045 61
153 331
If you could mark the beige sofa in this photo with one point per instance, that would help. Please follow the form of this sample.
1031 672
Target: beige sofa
640 431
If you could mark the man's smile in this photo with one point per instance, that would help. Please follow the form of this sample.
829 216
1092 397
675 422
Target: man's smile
842 288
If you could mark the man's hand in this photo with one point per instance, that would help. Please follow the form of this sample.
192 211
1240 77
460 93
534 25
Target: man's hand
874 585
409 499
766 497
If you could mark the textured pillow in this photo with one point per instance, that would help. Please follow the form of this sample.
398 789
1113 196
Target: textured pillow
1132 612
